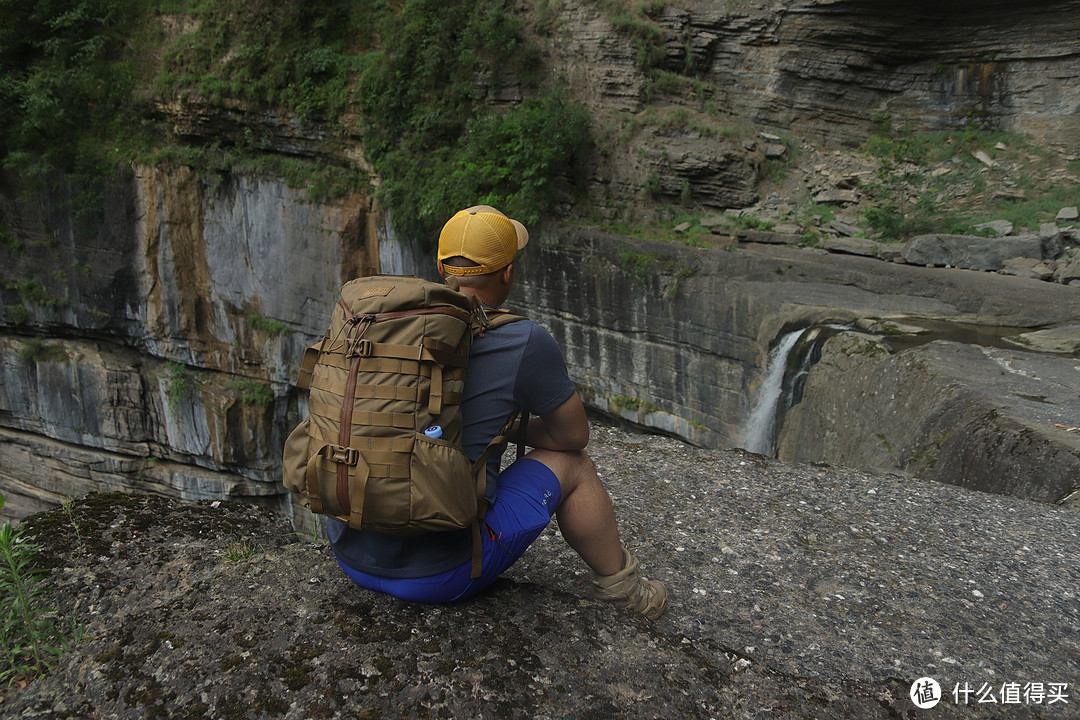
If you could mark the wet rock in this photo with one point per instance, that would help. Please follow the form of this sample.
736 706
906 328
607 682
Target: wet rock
1065 340
983 417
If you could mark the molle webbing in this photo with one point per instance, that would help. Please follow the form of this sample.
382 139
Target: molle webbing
392 363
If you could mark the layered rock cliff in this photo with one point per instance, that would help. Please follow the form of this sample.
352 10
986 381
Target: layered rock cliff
827 72
150 341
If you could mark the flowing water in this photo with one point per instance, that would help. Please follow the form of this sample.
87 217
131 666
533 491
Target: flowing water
782 387
759 430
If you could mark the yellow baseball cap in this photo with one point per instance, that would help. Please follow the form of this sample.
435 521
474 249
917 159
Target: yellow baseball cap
485 236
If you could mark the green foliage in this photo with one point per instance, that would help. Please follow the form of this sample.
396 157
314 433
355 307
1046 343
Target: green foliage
635 22
274 328
31 292
904 173
435 144
636 264
1041 206
623 402
240 550
38 350
30 642
921 149
64 87
254 392
749 222
300 56
68 507
180 379
507 159
20 314
9 239
74 79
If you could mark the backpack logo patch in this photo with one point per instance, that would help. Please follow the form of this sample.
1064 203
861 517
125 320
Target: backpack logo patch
383 290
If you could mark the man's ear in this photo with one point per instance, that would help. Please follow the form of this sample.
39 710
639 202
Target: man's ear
507 275
442 273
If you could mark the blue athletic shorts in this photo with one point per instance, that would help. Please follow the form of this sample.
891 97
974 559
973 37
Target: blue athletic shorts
528 495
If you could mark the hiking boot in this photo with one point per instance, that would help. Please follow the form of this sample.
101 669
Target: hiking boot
628 589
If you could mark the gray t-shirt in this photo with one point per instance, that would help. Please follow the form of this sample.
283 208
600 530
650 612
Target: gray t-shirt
517 365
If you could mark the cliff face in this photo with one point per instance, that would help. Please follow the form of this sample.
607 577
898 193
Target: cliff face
824 71
173 330
151 345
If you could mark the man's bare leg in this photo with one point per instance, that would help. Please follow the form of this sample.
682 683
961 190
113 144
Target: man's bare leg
586 517
587 521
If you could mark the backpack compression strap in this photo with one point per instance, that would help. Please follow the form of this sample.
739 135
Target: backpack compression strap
352 503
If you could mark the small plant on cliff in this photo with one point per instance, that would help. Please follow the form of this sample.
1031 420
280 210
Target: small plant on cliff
29 639
254 392
68 506
179 382
37 350
31 292
636 264
274 328
624 402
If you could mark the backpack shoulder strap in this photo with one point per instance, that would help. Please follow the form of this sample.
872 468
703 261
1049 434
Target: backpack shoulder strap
490 318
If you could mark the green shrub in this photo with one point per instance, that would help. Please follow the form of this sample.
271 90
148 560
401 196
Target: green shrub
180 379
66 90
435 144
30 642
274 328
38 350
20 314
31 292
636 264
254 392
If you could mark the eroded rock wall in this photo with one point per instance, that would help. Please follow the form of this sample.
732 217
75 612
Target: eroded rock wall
168 364
155 347
676 338
990 419
832 72
155 342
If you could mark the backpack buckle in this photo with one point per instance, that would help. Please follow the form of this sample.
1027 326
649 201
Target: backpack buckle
342 454
359 347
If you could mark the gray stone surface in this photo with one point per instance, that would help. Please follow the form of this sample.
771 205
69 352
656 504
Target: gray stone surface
854 246
1064 340
971 252
797 591
988 418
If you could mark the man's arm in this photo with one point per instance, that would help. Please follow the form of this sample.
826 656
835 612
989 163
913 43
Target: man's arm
564 428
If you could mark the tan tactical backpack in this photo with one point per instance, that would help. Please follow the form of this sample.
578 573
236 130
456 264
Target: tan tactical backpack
381 446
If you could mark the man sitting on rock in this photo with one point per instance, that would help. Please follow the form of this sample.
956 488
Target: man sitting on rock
515 365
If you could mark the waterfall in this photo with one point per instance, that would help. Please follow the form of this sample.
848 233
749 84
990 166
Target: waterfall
759 429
